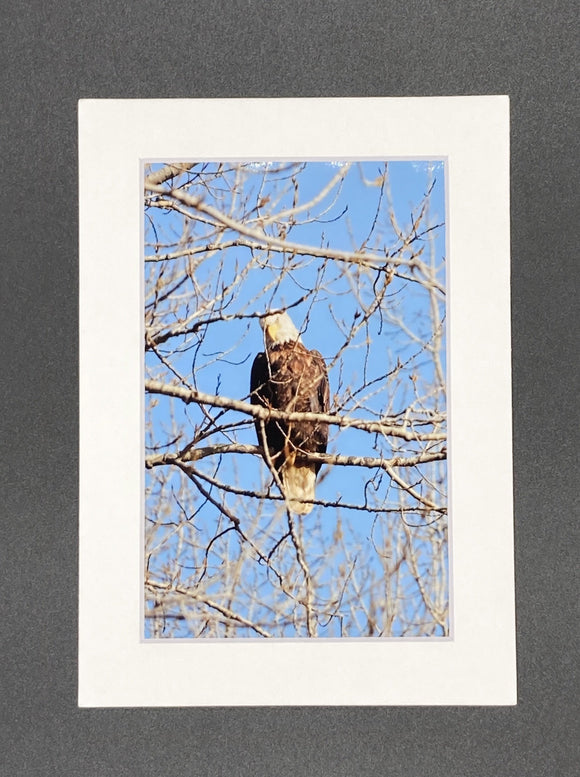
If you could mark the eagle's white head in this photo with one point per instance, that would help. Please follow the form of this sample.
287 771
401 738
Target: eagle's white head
279 328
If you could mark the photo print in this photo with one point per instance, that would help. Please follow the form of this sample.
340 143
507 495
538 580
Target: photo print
295 400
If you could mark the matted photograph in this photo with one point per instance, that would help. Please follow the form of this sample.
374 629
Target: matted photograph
295 403
295 399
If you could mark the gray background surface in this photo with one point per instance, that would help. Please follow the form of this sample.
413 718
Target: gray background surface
52 55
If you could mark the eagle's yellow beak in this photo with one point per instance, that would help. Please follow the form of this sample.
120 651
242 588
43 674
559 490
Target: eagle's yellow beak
272 330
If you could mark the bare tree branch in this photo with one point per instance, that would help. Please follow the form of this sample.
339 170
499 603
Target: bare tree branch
195 454
192 595
167 172
256 411
364 258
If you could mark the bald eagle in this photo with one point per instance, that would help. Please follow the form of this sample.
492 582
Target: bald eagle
287 376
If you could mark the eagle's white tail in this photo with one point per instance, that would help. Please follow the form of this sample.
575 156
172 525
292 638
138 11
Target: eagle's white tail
298 482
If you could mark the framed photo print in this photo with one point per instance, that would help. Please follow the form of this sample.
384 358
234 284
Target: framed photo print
295 389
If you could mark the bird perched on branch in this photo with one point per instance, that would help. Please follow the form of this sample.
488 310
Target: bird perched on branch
289 377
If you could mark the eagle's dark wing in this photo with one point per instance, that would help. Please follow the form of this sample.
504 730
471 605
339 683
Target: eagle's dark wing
259 379
261 394
319 400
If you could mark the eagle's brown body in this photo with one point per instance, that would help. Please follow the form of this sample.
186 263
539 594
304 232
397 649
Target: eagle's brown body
287 376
